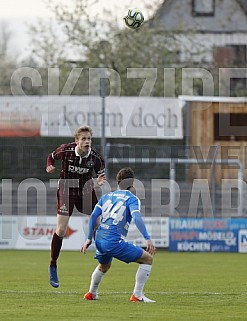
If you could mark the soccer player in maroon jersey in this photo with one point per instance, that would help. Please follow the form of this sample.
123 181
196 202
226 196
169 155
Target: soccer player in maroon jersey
75 187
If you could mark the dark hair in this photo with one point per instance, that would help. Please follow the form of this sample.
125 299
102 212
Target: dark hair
125 178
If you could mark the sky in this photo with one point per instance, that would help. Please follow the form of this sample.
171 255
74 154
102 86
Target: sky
19 13
22 8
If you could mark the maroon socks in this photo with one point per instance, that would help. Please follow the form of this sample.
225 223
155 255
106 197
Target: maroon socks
56 245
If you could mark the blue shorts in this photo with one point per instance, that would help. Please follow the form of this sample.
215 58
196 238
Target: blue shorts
121 250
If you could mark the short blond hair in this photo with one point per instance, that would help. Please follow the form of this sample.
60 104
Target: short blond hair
84 128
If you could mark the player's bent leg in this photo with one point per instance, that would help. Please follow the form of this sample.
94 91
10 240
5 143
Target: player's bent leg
62 223
56 244
142 274
96 279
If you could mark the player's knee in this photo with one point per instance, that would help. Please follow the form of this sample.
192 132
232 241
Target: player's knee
146 258
104 267
149 259
61 231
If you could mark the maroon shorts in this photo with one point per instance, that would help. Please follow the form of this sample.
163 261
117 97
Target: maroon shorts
84 203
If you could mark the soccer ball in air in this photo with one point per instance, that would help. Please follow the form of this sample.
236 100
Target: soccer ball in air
134 18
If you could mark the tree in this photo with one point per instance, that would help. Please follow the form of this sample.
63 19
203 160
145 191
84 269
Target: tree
7 59
5 36
47 46
79 39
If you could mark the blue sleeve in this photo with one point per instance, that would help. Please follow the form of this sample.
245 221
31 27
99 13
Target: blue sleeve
93 220
140 225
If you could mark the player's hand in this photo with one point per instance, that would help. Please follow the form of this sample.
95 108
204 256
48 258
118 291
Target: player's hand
101 179
151 249
85 246
50 169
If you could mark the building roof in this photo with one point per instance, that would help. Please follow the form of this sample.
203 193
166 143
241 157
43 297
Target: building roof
229 16
243 4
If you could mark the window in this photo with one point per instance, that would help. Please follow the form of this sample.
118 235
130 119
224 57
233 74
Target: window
230 127
223 56
232 56
240 55
203 8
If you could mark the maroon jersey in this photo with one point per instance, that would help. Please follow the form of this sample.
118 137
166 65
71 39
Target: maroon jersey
76 171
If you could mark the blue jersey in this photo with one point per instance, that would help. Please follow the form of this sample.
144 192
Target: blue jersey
116 210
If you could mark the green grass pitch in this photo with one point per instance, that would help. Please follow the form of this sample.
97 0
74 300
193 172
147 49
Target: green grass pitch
186 286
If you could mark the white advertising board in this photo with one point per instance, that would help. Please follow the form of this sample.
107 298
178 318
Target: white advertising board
35 232
157 227
134 117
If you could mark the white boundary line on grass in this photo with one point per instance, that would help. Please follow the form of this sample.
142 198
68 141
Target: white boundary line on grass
116 292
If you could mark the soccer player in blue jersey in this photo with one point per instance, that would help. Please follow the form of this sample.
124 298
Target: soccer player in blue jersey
116 210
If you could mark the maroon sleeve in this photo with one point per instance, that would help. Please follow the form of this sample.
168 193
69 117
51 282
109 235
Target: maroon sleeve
55 155
50 160
99 165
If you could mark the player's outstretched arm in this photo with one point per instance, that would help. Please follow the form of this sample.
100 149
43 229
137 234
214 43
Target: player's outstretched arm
91 227
142 228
